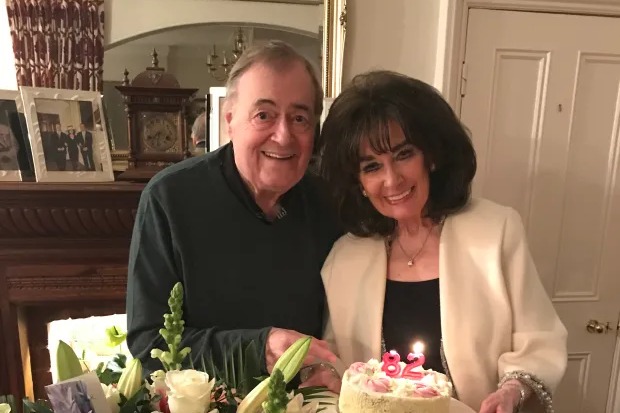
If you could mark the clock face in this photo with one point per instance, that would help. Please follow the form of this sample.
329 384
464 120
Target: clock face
159 131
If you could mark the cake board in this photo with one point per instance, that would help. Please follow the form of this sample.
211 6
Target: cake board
455 405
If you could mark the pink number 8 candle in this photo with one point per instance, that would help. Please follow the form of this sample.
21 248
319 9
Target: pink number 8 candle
391 364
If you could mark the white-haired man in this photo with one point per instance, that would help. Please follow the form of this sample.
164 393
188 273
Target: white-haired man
244 228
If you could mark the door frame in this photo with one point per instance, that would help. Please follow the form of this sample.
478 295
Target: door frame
456 31
454 55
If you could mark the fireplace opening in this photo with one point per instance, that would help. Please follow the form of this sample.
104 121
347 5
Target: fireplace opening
88 339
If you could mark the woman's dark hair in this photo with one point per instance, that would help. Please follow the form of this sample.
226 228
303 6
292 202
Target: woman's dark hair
363 111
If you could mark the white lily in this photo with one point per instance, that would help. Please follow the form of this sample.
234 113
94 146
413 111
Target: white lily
296 405
112 396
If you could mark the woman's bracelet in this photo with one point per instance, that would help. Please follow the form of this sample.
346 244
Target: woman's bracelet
532 386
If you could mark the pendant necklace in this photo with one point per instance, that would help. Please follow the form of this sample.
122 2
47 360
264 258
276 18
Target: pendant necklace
413 257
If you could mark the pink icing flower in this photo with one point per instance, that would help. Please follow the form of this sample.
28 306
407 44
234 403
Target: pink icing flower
425 391
358 367
377 384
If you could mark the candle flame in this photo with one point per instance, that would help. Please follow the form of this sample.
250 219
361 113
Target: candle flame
418 347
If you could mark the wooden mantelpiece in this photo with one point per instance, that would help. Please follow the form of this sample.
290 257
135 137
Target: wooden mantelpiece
63 253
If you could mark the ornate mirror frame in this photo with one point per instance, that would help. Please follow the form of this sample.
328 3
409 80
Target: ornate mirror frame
334 34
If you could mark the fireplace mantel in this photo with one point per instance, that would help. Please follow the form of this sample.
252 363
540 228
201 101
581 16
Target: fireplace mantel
63 253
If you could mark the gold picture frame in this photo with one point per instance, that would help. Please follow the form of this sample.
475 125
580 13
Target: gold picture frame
334 36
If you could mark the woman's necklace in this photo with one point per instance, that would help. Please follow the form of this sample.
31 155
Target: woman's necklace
414 256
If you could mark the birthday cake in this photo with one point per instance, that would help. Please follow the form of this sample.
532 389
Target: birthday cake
391 386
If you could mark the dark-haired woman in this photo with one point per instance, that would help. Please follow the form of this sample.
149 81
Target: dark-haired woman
424 261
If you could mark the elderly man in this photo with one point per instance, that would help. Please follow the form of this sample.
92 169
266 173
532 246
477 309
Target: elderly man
199 133
244 228
85 141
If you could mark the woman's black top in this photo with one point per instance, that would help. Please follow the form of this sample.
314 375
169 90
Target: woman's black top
410 314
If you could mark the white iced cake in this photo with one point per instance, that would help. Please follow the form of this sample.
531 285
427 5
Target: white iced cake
366 388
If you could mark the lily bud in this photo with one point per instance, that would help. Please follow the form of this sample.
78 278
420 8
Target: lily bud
131 379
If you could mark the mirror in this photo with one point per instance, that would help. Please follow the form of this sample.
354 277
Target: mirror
192 37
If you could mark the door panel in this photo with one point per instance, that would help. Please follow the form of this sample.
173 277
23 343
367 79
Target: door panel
542 101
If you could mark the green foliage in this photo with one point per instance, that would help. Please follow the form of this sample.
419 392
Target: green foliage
277 399
313 393
110 373
238 375
138 403
40 406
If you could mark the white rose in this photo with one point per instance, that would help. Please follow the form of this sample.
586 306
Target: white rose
189 391
112 396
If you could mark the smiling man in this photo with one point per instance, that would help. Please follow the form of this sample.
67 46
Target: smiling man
244 228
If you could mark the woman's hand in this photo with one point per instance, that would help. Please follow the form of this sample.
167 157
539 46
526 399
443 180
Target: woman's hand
504 400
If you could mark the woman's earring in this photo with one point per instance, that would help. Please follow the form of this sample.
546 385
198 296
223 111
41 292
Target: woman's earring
433 168
364 193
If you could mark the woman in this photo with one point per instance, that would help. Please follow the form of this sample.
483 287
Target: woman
422 261
73 149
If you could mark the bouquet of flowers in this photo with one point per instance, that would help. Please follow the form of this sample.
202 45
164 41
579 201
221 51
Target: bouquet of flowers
236 388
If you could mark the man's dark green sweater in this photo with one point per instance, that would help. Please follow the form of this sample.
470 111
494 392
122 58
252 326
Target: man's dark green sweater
241 274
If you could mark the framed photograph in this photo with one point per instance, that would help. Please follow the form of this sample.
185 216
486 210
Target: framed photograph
81 394
218 132
15 157
68 135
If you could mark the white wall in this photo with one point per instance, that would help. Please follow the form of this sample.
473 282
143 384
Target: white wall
8 81
134 59
189 66
126 19
398 35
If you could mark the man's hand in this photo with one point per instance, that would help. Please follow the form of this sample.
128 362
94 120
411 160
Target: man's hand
280 339
323 376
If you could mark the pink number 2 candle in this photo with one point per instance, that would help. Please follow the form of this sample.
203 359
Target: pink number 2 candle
416 360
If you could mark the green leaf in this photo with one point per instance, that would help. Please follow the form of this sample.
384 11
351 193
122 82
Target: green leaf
38 407
313 393
108 376
251 369
131 404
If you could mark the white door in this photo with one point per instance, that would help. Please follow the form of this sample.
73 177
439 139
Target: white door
542 101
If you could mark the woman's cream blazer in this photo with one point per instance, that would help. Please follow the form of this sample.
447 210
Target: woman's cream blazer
496 316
